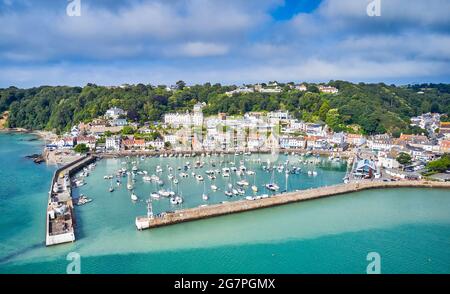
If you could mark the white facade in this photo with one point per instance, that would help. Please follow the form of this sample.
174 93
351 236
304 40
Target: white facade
292 142
157 144
328 89
388 162
186 119
315 130
114 112
172 139
112 143
118 122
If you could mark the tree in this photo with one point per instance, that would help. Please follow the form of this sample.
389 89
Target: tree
324 110
180 85
127 130
404 158
81 148
440 165
167 145
333 119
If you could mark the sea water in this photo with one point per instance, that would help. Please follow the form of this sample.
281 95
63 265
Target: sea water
408 228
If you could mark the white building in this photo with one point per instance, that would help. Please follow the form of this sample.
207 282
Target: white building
240 90
172 139
118 122
288 142
328 89
301 88
388 162
89 141
115 112
157 144
278 114
315 129
113 143
186 119
337 138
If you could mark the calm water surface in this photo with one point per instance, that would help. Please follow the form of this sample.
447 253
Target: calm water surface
409 228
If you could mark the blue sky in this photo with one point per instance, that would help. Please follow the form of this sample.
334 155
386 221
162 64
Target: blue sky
226 41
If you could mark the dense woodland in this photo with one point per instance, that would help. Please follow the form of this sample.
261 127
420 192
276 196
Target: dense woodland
365 108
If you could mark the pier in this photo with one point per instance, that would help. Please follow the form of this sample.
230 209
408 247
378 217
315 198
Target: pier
191 214
60 218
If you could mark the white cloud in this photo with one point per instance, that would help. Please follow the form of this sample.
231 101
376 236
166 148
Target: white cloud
224 41
201 49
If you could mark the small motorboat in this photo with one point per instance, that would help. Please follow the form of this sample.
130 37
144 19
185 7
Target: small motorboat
155 195
134 197
272 187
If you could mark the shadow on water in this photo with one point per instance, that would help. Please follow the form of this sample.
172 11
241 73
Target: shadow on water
79 233
12 255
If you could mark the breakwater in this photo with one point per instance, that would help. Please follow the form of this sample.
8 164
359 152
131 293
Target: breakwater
191 214
60 218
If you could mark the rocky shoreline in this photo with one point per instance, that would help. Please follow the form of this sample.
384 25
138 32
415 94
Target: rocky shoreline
37 158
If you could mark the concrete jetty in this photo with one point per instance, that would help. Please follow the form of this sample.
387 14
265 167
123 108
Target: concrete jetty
60 218
185 215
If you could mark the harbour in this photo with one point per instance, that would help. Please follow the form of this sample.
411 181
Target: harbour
150 221
294 238
235 179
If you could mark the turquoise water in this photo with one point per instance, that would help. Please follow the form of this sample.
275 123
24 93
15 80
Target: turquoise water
409 228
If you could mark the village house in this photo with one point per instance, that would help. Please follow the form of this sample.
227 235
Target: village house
315 129
118 122
444 129
172 139
157 144
387 160
240 90
301 87
316 142
382 142
115 113
64 143
89 141
128 143
365 169
426 121
444 146
113 143
355 139
139 144
185 119
289 142
328 89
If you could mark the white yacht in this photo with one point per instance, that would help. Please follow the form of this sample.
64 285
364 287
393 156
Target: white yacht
155 195
272 187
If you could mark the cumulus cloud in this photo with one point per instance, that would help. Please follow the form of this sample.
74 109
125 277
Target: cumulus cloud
229 41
